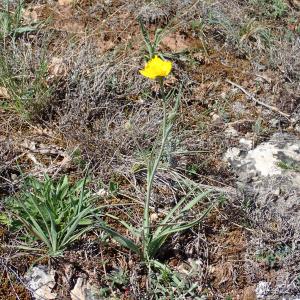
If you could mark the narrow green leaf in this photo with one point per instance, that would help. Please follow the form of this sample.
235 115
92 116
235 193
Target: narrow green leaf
157 38
21 30
171 214
155 244
163 267
196 200
71 227
146 39
184 226
133 230
36 230
122 240
76 236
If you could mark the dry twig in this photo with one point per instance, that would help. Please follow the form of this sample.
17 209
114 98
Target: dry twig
273 108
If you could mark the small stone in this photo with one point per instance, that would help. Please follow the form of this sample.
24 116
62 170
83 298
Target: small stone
14 177
83 290
231 132
102 193
215 117
238 107
259 67
65 2
41 282
4 94
128 125
141 100
153 217
262 289
246 143
223 95
183 268
249 293
274 123
232 154
30 16
57 66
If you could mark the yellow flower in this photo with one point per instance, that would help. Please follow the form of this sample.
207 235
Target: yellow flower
157 67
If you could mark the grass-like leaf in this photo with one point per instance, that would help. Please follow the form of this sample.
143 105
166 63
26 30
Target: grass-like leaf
56 213
121 239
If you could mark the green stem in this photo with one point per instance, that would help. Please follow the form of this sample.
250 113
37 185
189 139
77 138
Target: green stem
152 171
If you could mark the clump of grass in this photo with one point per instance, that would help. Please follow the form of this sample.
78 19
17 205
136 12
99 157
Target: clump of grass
23 74
23 65
270 8
11 20
56 213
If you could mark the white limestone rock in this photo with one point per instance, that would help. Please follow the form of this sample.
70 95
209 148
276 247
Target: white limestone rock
41 283
269 175
278 157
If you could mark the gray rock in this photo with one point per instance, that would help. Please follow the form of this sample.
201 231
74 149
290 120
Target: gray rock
216 118
262 289
41 282
231 132
270 175
269 178
274 123
238 107
279 157
83 290
246 143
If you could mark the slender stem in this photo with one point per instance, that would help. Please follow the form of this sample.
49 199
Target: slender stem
152 171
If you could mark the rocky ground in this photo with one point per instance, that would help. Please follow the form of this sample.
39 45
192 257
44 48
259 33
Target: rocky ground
72 101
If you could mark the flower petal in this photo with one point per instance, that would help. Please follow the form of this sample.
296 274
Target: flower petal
157 67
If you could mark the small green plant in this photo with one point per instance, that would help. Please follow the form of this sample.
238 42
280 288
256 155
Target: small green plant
227 28
289 165
151 46
23 75
117 277
164 287
11 22
78 159
249 29
268 257
113 187
279 8
271 8
55 213
258 127
192 169
25 81
274 257
26 86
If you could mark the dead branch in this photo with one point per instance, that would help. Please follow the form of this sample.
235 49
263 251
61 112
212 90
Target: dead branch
273 108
